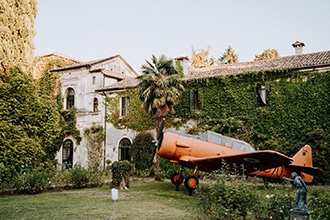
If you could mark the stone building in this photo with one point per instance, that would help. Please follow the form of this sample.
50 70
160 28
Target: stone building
78 85
85 86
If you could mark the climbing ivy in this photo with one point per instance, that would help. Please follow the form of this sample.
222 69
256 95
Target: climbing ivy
137 119
297 111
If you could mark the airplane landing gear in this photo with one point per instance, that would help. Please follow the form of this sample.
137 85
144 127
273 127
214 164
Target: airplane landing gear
191 183
176 180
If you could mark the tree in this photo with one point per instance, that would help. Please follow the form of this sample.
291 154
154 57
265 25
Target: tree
160 89
267 54
17 33
200 58
29 124
142 150
229 56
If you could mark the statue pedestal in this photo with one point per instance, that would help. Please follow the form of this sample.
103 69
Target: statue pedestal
299 215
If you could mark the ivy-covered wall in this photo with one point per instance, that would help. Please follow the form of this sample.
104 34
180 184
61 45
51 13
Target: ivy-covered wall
297 111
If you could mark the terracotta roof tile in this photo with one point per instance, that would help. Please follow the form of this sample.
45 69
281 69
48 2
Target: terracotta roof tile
123 84
302 61
297 62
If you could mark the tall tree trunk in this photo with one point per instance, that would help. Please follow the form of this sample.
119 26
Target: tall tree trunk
156 159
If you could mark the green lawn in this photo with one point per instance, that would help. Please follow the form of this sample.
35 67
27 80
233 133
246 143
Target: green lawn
144 200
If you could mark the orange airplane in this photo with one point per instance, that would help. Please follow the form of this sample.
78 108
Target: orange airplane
302 164
210 150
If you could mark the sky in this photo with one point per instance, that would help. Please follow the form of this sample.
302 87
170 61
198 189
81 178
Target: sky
136 29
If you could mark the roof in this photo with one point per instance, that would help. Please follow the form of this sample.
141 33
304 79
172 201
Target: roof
123 84
59 55
94 62
110 74
294 62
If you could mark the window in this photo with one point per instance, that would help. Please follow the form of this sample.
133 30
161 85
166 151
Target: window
124 106
69 98
94 78
67 153
124 146
194 102
95 105
261 95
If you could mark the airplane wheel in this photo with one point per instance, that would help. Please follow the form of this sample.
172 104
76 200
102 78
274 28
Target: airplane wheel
191 183
177 179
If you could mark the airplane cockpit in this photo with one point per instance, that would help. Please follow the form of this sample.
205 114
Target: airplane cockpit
217 138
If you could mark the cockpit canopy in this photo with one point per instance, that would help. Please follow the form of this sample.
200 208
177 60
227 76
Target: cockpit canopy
217 138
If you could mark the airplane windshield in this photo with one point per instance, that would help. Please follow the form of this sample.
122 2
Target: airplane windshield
217 138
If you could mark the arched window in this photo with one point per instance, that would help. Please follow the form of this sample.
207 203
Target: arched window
124 146
95 105
69 98
67 153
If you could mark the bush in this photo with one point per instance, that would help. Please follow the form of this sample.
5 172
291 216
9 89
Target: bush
36 181
142 151
278 205
168 169
95 176
226 198
120 170
319 203
79 177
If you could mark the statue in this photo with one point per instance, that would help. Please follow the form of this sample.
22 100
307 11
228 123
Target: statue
298 182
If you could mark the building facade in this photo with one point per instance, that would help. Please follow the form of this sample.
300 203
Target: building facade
78 84
85 86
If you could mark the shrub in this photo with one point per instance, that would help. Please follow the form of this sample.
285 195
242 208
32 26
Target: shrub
95 176
30 182
278 205
142 151
319 203
79 177
168 169
226 198
120 170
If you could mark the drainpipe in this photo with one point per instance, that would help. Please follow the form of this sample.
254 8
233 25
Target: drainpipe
105 130
105 124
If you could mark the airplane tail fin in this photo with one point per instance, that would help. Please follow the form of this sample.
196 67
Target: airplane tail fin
303 156
303 163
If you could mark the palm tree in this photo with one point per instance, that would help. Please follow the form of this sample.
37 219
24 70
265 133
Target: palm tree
160 89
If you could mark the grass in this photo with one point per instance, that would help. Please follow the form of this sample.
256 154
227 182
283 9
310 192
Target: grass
144 200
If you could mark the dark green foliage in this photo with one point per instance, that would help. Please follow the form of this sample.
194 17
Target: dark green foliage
142 151
168 169
35 181
94 136
138 119
29 125
297 111
120 170
226 200
278 205
69 124
319 203
79 177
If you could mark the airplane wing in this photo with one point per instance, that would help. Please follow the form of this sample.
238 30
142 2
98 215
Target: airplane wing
314 171
251 161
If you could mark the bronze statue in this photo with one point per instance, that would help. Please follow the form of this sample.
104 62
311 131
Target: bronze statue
298 182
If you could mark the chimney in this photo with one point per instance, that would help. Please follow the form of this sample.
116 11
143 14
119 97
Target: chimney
184 60
298 46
